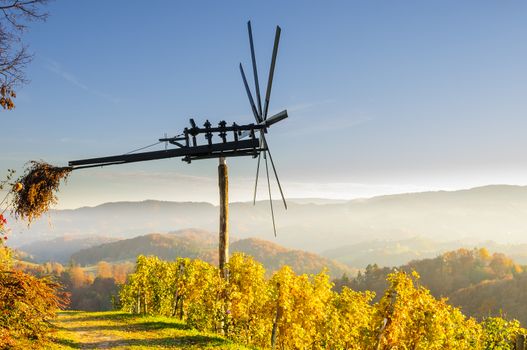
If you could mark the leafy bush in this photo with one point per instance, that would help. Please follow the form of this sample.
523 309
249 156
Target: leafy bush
413 319
500 333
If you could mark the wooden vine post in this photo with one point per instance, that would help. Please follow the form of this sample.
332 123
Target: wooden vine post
520 342
223 179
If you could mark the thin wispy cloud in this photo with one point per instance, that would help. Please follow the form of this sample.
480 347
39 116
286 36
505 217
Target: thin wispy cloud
309 105
299 107
56 68
312 123
348 190
76 140
326 125
157 176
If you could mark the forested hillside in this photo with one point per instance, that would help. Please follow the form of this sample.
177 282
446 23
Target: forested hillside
507 297
185 243
273 256
203 245
479 282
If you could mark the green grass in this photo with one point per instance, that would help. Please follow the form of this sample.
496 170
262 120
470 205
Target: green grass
118 330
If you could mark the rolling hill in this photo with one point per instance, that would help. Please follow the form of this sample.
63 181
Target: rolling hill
193 243
185 243
274 256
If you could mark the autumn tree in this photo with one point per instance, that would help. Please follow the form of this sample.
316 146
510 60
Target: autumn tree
14 55
104 269
121 271
77 276
53 268
409 317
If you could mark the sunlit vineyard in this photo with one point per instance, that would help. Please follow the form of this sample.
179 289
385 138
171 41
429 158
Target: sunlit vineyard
293 311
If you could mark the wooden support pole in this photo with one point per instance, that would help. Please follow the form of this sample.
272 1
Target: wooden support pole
223 178
520 342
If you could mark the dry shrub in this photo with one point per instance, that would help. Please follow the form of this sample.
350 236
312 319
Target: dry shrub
27 304
40 183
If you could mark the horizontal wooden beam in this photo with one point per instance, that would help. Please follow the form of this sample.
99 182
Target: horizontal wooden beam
196 152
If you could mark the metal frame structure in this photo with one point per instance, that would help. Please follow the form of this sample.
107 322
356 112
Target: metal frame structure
244 142
221 142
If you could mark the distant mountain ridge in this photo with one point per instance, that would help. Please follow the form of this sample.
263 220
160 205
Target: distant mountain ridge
496 212
60 249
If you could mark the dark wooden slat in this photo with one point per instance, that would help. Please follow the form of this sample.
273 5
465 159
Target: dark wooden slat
229 154
275 118
255 70
249 95
250 144
271 72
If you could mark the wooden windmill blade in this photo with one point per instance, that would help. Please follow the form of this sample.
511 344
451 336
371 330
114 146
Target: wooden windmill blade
255 70
271 71
261 117
249 95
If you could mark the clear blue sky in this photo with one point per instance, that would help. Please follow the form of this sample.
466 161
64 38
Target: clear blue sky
383 96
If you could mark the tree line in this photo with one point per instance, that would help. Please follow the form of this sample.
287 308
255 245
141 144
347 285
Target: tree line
97 290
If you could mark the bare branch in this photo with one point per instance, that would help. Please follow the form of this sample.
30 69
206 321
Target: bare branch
14 57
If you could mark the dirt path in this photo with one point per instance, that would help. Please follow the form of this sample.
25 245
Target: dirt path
117 330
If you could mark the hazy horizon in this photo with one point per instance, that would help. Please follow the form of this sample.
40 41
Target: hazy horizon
368 193
494 213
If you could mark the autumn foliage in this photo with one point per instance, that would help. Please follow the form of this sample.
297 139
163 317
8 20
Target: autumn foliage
293 311
6 97
27 304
